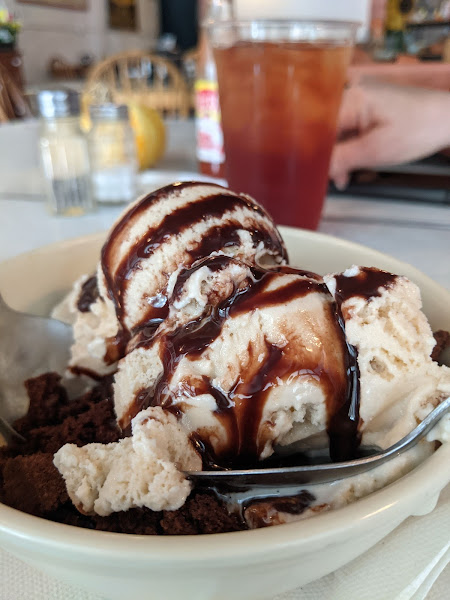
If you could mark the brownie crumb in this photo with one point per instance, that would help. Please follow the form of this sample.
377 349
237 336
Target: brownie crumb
33 484
211 515
69 515
139 521
178 522
53 420
46 396
94 425
442 342
5 454
202 513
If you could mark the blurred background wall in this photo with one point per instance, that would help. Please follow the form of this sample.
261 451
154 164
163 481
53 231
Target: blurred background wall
48 32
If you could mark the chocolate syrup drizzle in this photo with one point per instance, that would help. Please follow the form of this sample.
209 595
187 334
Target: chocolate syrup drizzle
343 421
88 294
368 283
240 410
343 424
217 238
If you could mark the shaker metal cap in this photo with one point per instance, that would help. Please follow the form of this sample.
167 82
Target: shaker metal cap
108 111
58 103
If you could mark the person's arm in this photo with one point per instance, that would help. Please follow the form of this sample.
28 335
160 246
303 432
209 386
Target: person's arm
381 124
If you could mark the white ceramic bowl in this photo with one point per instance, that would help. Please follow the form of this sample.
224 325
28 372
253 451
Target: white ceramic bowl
243 565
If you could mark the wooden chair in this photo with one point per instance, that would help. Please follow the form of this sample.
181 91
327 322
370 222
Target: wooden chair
59 68
141 77
12 102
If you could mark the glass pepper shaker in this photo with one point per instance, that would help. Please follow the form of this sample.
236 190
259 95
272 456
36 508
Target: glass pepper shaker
112 151
64 154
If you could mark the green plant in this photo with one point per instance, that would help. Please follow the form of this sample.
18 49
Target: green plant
8 32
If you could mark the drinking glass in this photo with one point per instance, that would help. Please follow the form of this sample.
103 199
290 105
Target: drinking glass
280 87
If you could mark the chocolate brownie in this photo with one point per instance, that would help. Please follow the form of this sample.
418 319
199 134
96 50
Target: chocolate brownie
33 484
30 482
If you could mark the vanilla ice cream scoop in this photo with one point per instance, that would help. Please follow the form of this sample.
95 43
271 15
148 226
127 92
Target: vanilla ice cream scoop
154 238
399 382
247 358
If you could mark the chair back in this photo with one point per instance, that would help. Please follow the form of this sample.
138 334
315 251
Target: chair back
141 77
12 102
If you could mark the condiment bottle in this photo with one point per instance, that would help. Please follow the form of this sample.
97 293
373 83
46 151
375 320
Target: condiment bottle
64 154
112 151
210 153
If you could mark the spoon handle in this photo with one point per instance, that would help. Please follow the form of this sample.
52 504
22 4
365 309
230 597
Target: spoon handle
418 432
9 433
294 476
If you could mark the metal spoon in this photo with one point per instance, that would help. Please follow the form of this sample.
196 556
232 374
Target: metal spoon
29 345
234 480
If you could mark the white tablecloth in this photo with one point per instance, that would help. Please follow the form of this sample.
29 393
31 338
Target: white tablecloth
405 564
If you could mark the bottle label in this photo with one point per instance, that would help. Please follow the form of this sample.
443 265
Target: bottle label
208 122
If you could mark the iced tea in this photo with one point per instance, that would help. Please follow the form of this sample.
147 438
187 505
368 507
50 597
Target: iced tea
279 103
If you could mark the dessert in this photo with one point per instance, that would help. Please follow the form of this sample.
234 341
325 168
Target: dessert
155 237
216 354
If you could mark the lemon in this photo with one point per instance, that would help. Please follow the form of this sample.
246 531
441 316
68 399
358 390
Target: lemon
148 127
150 134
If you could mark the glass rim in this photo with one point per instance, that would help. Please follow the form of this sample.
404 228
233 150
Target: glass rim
332 24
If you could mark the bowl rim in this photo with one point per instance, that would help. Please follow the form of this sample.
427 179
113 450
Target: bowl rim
249 544
411 271
399 265
400 497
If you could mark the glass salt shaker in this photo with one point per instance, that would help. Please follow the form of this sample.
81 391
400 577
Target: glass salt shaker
112 151
64 154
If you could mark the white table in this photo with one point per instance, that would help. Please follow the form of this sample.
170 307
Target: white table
416 233
413 232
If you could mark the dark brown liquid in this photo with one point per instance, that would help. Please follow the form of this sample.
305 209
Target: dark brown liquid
85 371
367 284
293 505
343 421
215 263
266 512
116 346
279 104
88 294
